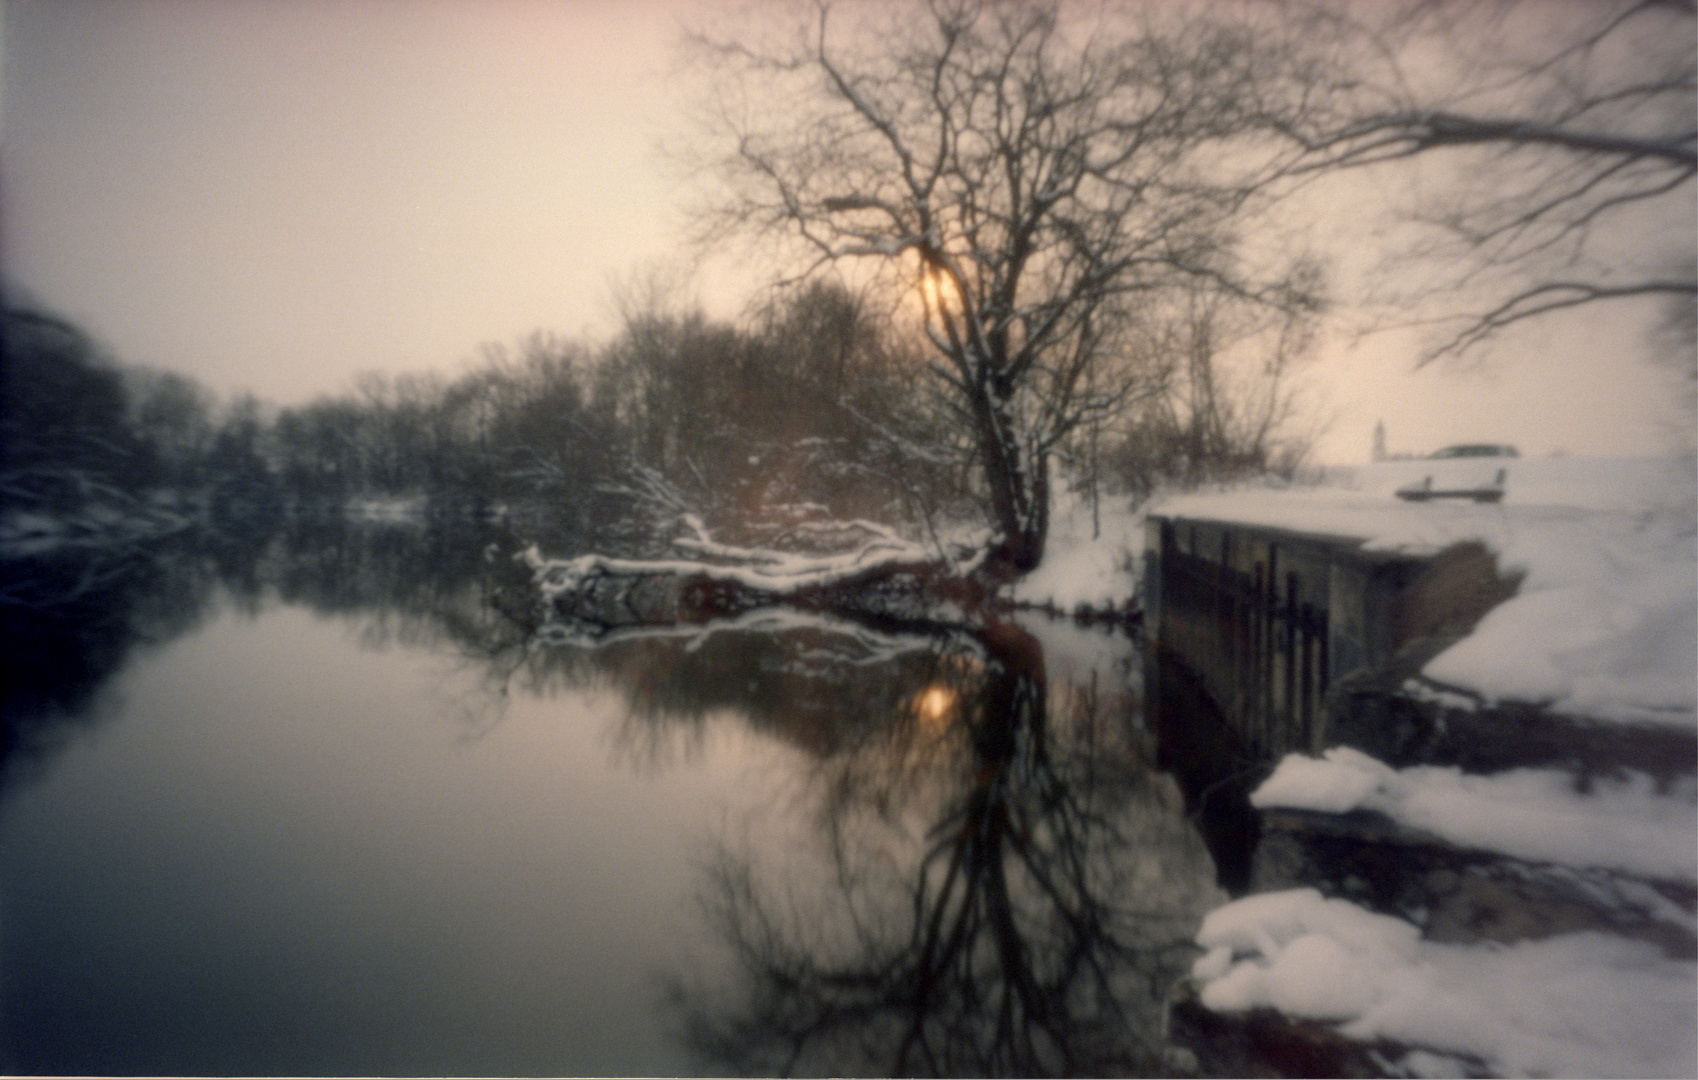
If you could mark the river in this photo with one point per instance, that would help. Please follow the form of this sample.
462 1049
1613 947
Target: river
317 802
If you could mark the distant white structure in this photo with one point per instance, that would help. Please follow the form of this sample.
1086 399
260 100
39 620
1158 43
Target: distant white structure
1379 440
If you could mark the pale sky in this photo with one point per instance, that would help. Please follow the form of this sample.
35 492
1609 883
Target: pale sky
278 195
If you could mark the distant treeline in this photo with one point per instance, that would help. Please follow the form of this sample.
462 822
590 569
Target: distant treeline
816 406
809 404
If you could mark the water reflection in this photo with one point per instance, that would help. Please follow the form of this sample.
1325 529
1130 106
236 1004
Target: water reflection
981 871
1005 888
71 618
998 883
68 621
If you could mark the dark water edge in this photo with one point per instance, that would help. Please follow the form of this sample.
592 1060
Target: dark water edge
72 615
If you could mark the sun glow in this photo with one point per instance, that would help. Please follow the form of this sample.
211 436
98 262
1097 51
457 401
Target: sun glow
936 289
935 705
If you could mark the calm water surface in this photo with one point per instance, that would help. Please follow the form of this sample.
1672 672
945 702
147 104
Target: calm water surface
321 808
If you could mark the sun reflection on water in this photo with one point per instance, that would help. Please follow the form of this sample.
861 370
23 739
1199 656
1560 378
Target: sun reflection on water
935 705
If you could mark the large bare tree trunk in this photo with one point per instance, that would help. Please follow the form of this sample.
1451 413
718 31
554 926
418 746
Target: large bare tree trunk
1019 487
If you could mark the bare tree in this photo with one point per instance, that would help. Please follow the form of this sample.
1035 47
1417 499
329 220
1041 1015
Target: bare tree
1032 176
1228 404
1572 133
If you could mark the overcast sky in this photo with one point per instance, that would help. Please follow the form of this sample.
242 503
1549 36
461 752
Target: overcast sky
277 195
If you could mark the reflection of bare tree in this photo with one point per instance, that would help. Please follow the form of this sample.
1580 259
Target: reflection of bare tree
72 615
1000 899
71 618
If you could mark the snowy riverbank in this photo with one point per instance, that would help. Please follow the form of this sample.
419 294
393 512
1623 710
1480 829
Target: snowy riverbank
1092 557
1584 996
1584 1004
1604 623
1540 921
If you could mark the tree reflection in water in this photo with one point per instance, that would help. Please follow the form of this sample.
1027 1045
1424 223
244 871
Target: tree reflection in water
1001 882
1007 890
73 617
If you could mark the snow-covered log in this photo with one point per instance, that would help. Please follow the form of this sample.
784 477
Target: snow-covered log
886 577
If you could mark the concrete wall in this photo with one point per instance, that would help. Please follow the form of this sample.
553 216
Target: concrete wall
1268 623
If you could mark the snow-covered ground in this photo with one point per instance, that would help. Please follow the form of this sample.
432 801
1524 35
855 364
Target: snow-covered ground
1576 1004
1601 627
1605 623
1360 502
1621 823
1091 558
1584 1004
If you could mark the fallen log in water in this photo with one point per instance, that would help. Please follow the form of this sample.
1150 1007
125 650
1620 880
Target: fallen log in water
888 578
